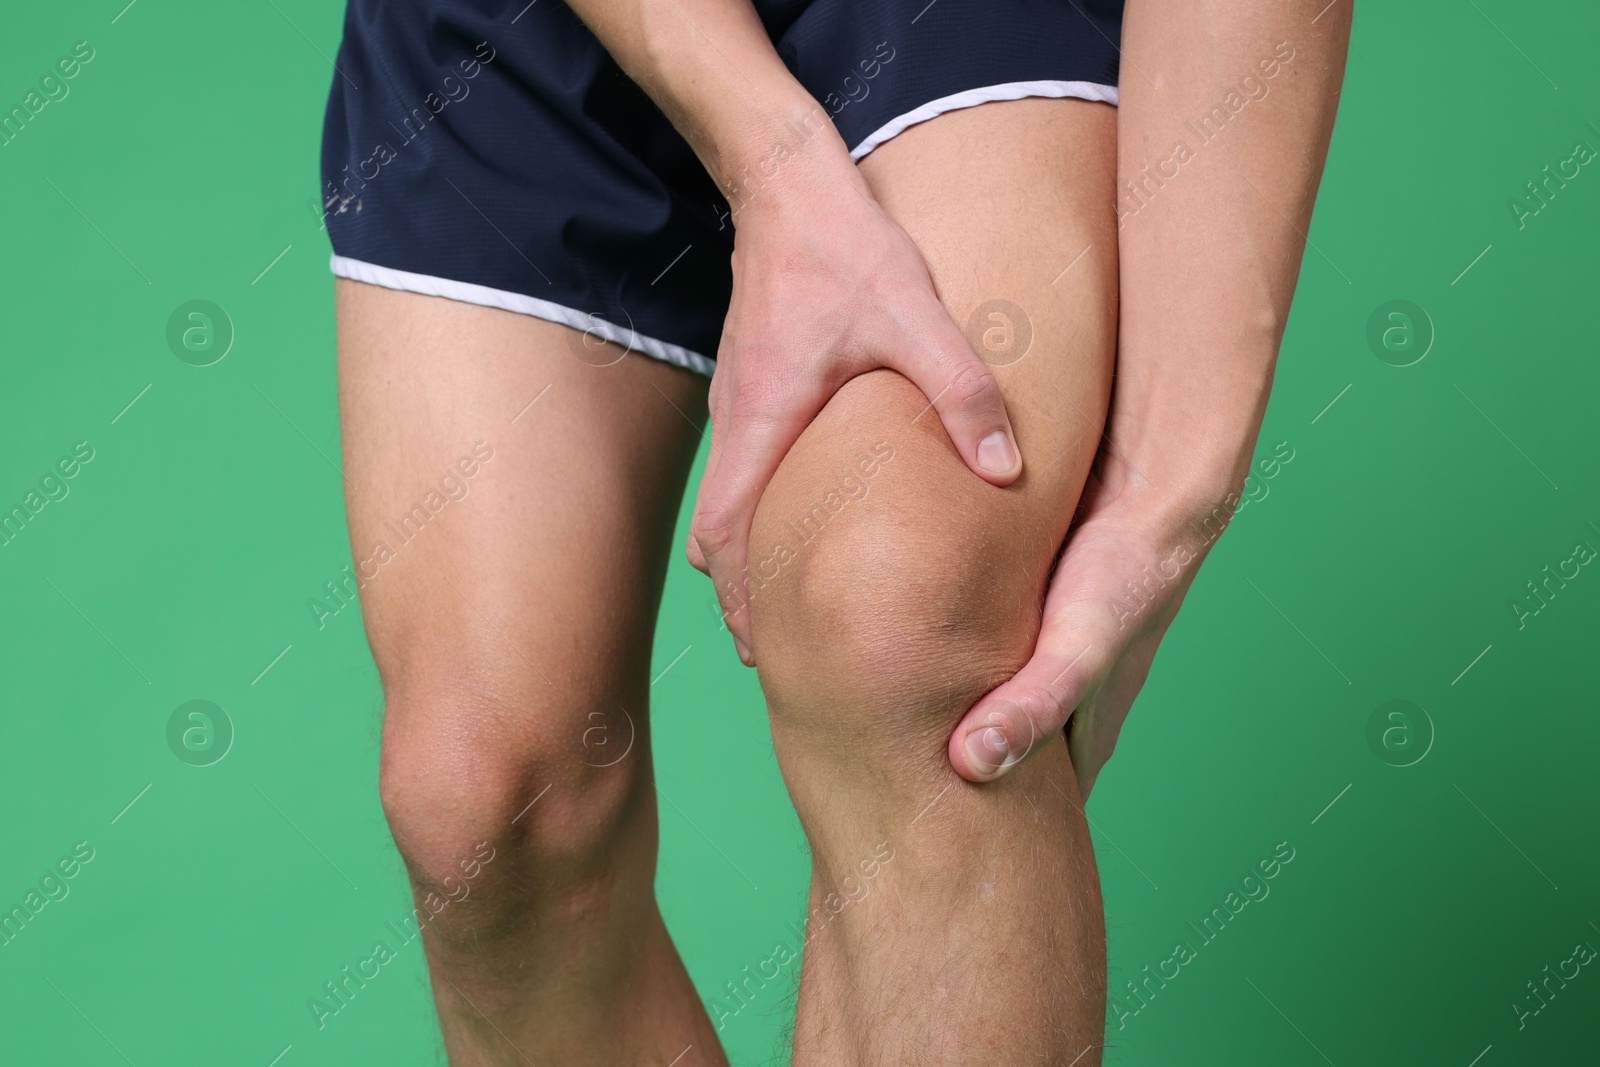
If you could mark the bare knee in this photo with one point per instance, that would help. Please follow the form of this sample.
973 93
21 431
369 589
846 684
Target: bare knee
896 609
490 762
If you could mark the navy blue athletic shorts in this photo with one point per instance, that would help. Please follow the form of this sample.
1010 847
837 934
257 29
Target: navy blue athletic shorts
491 151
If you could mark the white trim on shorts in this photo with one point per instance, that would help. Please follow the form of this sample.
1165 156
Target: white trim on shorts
973 97
467 292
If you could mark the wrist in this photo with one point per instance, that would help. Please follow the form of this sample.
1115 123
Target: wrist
1189 493
1185 423
728 94
781 157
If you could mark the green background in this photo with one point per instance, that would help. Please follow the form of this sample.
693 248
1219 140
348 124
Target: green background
1381 565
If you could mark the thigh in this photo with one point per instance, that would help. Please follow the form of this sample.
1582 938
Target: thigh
511 493
1012 206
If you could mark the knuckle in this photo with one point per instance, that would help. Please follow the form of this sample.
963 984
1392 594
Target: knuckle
1046 713
1030 715
712 528
975 386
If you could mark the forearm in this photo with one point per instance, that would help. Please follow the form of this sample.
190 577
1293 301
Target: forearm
711 68
1224 118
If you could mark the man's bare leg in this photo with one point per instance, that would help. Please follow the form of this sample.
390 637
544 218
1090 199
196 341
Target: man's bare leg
950 923
511 620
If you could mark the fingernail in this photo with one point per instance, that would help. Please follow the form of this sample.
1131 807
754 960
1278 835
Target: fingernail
987 750
996 453
744 653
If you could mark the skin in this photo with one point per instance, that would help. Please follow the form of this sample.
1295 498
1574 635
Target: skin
982 940
1208 269
527 609
826 286
510 636
923 619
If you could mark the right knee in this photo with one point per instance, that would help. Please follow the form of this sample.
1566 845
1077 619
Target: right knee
919 594
478 763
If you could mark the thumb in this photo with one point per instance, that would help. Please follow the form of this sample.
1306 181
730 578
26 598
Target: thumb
1074 653
961 388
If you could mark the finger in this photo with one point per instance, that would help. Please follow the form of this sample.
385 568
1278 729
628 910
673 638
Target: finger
697 558
1097 722
755 442
1012 721
718 390
960 388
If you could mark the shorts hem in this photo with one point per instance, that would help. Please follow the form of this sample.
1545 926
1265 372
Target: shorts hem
973 97
484 296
